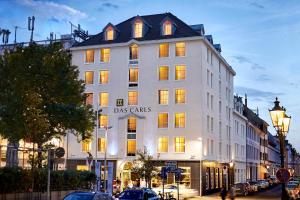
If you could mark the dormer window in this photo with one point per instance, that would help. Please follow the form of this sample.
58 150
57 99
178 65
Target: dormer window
138 29
167 28
109 34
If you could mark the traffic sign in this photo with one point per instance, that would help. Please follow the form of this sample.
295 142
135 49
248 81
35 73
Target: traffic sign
283 175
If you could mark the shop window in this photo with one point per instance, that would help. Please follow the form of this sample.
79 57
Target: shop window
163 120
104 55
89 98
132 98
86 145
133 75
164 50
163 73
103 121
89 56
101 145
133 52
103 99
180 49
163 145
179 144
179 96
82 168
103 79
179 120
89 77
131 125
163 97
180 72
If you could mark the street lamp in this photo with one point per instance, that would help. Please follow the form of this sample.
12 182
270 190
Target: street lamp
281 123
105 154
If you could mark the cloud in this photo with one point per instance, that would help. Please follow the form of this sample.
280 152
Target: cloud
54 19
258 95
52 10
245 60
256 5
263 78
108 5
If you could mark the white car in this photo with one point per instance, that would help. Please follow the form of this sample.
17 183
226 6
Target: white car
183 192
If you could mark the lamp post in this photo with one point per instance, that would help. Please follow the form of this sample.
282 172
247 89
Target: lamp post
281 123
105 155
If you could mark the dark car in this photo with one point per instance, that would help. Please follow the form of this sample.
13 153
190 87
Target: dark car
88 196
242 189
253 186
138 194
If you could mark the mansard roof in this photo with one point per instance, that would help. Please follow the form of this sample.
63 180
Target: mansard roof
154 33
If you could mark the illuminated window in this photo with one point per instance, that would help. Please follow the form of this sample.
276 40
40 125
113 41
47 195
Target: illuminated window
89 56
109 33
86 145
163 120
132 98
163 73
179 96
89 77
164 50
89 99
131 144
101 145
103 79
133 75
133 52
167 28
179 120
163 97
180 49
82 167
180 72
131 125
103 99
103 121
104 55
138 29
179 144
163 145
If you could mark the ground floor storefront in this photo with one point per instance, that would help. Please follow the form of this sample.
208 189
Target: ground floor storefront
201 177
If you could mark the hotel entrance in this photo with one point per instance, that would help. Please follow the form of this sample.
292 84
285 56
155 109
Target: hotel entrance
129 179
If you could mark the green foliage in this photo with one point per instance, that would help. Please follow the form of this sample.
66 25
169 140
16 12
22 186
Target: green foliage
41 96
144 166
16 179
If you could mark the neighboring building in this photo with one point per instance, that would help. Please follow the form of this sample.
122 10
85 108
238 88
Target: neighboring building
163 85
273 154
239 141
256 149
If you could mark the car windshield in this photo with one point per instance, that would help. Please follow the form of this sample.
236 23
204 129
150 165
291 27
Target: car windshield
252 183
132 194
80 196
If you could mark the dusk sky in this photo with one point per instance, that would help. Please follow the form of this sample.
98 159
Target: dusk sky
260 39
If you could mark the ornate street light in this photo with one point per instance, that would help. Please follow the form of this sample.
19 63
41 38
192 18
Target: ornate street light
281 123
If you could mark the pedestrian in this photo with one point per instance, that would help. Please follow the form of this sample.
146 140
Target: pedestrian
223 192
232 193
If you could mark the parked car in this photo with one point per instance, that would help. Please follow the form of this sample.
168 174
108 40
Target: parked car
263 184
183 191
88 196
138 194
253 186
242 189
292 189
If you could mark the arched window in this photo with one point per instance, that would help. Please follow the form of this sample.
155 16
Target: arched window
133 52
109 33
167 28
138 28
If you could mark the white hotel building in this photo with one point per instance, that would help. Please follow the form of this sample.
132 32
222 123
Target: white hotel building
163 85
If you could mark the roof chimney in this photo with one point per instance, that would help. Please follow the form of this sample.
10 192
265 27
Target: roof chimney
246 100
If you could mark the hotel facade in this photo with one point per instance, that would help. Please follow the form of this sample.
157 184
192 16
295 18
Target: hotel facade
162 85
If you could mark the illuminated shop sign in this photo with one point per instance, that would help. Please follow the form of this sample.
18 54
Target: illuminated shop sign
134 109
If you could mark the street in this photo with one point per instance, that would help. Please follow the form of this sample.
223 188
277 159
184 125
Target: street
273 194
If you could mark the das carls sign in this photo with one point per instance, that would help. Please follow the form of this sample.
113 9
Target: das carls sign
135 109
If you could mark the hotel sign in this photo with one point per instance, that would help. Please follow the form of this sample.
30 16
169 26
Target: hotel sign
119 102
131 109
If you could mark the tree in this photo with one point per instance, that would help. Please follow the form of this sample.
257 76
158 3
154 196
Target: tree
144 166
41 97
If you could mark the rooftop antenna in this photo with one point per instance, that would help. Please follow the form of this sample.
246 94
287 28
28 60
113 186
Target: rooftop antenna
5 35
31 26
82 34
